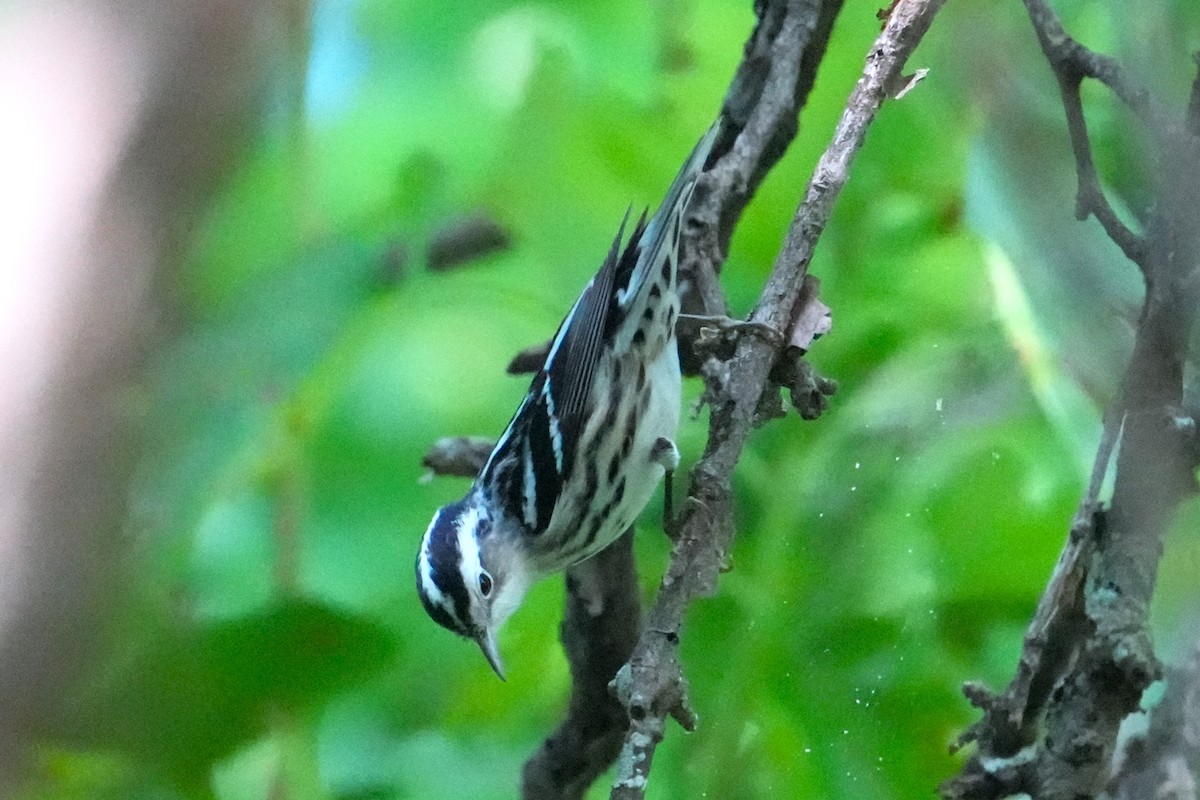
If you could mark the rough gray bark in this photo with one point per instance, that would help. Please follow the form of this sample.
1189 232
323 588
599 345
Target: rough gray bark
1164 762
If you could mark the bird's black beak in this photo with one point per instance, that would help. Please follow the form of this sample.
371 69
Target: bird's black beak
487 643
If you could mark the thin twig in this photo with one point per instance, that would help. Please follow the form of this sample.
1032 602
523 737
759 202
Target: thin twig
458 456
1066 55
1072 62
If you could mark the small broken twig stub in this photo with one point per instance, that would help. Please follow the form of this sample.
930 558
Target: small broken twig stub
465 239
458 456
530 359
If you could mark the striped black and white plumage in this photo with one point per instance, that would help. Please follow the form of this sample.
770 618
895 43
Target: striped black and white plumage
586 448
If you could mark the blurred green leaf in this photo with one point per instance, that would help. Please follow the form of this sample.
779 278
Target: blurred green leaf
182 698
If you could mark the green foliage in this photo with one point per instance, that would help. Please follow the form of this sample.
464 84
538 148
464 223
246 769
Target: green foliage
270 643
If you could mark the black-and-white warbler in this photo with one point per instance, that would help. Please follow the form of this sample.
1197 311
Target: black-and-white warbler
586 448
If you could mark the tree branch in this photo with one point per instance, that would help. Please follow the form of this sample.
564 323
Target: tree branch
777 71
759 121
652 686
1072 62
458 456
1087 655
599 629
759 114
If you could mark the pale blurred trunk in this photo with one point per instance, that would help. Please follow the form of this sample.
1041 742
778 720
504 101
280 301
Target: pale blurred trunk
119 116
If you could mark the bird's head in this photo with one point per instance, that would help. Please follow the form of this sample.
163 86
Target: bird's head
470 576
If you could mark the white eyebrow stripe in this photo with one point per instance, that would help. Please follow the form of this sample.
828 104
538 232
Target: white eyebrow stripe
468 547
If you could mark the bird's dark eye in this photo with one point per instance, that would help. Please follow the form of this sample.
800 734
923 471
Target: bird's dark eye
485 584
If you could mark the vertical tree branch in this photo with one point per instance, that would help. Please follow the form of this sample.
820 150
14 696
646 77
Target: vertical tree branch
771 83
1088 654
652 686
759 115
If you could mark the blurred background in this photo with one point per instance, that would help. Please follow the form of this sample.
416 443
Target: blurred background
231 323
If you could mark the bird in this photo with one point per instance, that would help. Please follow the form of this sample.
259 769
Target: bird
587 446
